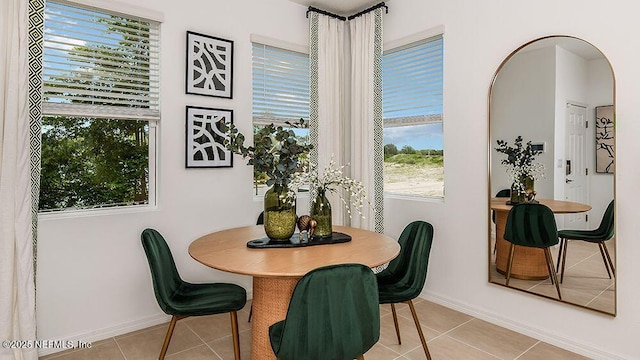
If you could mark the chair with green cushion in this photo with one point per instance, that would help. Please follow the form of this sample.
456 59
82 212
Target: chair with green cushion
182 299
534 226
333 314
404 278
598 236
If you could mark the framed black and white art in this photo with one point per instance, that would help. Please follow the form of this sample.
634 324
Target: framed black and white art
205 139
209 66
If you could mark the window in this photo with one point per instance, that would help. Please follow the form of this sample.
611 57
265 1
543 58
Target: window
100 109
412 111
280 92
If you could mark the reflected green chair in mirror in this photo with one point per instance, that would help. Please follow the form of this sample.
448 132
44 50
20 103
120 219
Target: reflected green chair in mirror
404 278
181 299
333 314
598 236
534 226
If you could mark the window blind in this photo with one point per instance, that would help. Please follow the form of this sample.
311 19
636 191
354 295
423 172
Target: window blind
412 83
99 64
280 85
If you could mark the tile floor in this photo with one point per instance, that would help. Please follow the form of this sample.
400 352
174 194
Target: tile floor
586 281
450 334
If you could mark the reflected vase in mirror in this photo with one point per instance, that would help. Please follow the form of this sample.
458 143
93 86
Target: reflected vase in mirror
522 191
279 213
321 212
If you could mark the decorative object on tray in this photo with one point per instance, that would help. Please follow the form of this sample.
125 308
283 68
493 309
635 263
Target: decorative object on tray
605 134
276 153
521 168
308 225
206 136
295 241
352 193
209 65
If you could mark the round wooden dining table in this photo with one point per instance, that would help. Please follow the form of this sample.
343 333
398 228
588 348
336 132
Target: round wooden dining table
276 271
528 263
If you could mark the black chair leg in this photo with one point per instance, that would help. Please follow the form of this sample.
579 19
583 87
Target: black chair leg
395 322
250 313
563 244
552 272
509 263
606 251
564 259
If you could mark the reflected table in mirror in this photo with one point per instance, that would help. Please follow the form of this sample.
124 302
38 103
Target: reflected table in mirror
528 263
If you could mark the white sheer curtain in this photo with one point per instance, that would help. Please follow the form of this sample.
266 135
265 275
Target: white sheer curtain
17 290
327 129
366 113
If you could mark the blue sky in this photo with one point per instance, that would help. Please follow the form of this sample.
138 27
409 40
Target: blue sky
419 137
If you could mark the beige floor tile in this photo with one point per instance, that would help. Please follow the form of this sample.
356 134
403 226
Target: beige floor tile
408 333
224 346
501 342
202 352
147 344
381 352
102 350
544 351
447 348
604 302
212 327
434 316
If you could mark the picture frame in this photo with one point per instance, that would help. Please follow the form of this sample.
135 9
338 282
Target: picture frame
605 139
204 138
209 66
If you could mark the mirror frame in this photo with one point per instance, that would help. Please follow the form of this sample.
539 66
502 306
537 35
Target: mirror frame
489 162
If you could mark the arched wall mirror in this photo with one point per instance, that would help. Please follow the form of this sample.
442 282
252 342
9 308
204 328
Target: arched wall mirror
558 93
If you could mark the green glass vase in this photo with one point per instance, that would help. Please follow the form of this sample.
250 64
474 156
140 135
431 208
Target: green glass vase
520 188
279 214
321 213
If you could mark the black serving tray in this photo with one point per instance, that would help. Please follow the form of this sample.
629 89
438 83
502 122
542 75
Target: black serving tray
297 241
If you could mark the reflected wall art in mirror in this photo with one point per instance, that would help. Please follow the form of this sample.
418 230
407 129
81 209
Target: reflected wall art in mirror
551 115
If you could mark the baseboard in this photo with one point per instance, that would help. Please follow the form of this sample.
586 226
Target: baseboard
105 333
525 329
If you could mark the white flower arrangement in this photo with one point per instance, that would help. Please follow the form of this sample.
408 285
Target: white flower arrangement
331 180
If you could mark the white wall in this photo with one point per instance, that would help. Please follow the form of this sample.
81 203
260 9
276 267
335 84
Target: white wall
478 35
93 277
523 104
600 81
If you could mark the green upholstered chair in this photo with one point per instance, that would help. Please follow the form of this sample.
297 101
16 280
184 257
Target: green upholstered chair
182 299
333 314
604 232
404 278
532 225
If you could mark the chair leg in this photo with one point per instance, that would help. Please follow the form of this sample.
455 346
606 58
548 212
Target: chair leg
560 251
552 271
604 259
250 313
235 334
360 357
167 338
564 259
395 322
606 251
509 263
415 320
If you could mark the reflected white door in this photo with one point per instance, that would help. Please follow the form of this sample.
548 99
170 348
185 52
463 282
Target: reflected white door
576 171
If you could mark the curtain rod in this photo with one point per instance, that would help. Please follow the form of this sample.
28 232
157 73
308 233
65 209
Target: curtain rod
323 12
319 11
379 5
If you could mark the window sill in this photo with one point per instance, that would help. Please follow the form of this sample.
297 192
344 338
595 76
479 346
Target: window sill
426 199
73 214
